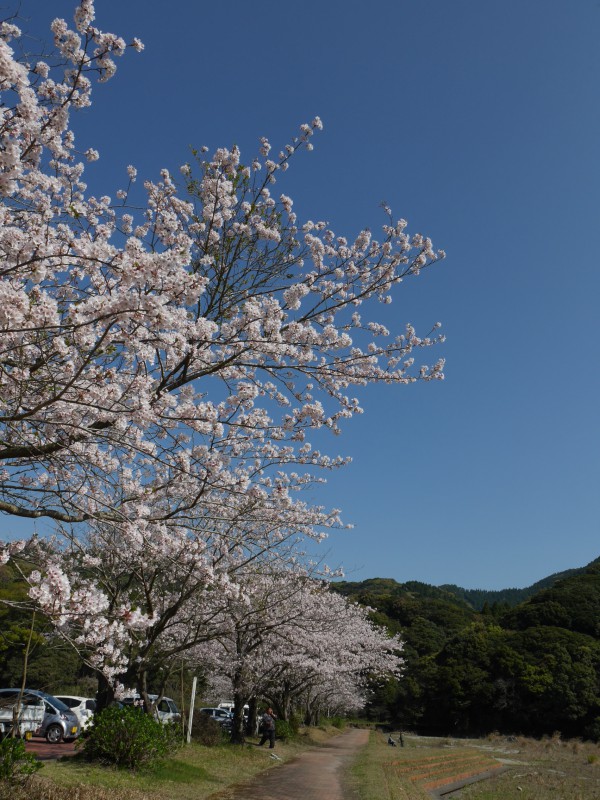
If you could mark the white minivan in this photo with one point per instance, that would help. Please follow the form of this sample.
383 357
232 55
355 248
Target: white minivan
229 705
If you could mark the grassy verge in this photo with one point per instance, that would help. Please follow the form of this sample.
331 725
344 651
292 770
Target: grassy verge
372 775
519 767
195 773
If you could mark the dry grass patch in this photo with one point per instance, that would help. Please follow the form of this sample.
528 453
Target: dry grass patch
541 770
374 775
433 772
550 769
414 771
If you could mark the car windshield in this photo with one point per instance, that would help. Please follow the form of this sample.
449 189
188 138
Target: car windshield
54 701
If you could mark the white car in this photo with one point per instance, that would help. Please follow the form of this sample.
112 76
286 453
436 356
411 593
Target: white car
82 707
166 708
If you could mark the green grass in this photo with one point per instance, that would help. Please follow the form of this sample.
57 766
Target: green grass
194 773
175 771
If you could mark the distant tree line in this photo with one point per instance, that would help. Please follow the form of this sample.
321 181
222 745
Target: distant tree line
533 668
480 598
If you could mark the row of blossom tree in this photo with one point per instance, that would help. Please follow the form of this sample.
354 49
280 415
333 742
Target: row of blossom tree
161 369
295 642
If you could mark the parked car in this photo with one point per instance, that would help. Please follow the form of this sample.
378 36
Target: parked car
58 723
229 705
82 707
29 712
220 715
166 709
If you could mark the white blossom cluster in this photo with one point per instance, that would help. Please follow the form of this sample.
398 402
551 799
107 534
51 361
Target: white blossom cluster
162 369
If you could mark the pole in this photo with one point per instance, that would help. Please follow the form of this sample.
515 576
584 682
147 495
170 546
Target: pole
191 712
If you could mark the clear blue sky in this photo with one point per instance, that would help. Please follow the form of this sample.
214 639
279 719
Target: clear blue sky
479 122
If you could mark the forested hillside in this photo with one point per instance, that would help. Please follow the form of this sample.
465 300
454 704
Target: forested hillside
533 668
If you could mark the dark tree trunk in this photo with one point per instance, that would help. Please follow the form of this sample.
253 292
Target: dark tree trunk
105 695
252 724
238 732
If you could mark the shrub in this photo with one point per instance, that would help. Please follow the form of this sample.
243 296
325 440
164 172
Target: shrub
127 737
207 731
16 764
286 729
592 731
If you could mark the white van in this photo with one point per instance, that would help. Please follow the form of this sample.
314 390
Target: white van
29 711
166 709
229 705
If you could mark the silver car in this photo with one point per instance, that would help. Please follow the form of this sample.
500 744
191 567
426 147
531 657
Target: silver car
59 722
220 715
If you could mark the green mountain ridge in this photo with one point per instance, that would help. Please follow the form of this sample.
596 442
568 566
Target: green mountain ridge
476 599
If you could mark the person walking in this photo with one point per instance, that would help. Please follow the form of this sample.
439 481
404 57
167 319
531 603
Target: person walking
267 728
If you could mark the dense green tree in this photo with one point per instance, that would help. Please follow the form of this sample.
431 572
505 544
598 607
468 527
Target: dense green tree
52 665
560 686
572 603
473 684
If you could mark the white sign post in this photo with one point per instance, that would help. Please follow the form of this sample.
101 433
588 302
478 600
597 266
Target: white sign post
191 714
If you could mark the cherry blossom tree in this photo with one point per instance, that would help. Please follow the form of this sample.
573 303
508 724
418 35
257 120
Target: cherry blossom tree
292 640
161 369
330 659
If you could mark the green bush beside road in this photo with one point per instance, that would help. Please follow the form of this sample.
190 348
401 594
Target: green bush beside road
127 737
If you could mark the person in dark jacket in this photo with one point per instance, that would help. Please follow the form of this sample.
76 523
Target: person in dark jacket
267 728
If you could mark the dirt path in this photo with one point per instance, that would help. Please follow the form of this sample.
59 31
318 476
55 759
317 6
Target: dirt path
314 775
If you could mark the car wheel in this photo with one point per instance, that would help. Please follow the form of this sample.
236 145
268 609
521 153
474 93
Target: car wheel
54 734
